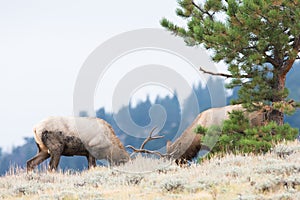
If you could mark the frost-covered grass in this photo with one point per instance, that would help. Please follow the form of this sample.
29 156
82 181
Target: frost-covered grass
275 175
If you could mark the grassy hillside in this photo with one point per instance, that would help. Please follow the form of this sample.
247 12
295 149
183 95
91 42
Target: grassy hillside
275 175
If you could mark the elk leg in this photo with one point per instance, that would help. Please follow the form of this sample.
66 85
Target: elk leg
91 161
55 154
36 160
55 158
54 142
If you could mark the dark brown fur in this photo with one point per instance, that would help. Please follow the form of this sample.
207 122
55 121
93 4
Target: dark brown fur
58 144
183 151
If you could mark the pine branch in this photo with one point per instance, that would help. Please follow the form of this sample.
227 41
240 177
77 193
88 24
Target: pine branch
215 74
271 60
289 63
223 74
211 16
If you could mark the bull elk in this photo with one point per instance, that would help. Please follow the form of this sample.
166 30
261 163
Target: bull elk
83 136
187 146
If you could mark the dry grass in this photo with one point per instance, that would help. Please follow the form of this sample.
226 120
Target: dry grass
272 176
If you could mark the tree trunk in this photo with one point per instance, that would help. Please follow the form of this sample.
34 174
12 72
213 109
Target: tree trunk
277 117
279 86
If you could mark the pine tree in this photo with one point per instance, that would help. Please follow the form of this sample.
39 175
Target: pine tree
259 40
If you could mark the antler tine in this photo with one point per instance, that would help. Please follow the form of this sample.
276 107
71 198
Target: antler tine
152 130
150 137
135 150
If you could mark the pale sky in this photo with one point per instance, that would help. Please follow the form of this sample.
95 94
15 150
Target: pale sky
44 44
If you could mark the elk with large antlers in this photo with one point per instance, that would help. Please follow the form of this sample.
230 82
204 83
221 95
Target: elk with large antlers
187 146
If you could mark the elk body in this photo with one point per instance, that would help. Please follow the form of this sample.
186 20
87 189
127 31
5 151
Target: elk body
83 136
187 146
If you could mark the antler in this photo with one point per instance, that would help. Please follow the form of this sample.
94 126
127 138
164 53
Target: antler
148 139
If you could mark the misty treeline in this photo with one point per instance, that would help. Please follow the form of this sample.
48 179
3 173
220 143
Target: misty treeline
140 115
